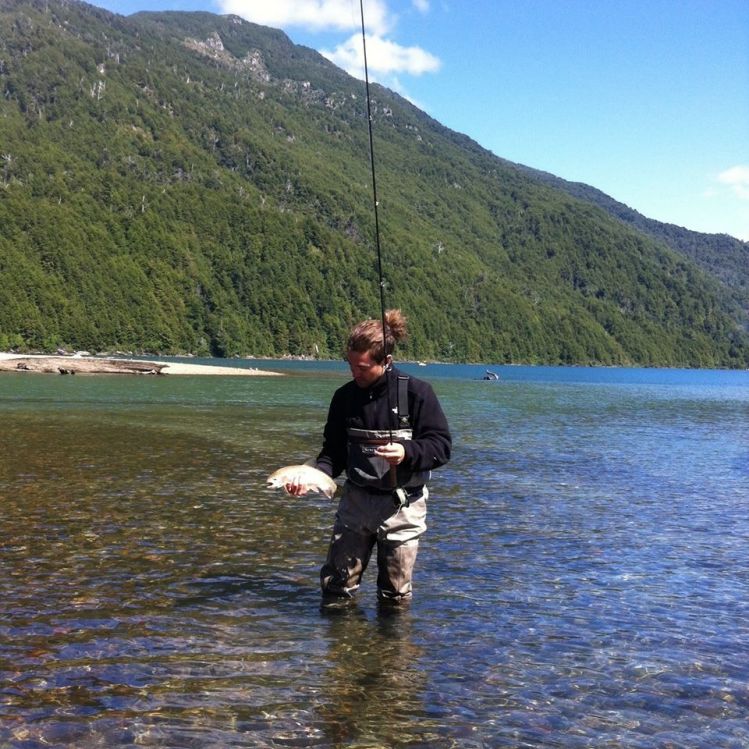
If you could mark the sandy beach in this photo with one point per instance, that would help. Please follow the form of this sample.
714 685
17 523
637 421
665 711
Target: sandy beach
74 364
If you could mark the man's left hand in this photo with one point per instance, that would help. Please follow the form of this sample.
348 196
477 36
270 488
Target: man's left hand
393 452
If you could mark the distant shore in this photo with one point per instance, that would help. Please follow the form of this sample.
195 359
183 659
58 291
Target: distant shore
79 364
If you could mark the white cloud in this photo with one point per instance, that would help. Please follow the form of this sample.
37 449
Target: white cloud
737 179
313 15
384 58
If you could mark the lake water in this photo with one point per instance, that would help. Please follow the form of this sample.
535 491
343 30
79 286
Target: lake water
584 581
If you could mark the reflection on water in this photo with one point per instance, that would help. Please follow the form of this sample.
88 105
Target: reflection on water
583 583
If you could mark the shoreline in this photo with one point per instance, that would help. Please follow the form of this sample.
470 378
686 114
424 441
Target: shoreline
75 364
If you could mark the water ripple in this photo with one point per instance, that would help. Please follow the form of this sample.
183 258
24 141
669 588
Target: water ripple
583 583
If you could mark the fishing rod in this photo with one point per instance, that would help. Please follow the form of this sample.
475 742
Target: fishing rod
393 472
374 185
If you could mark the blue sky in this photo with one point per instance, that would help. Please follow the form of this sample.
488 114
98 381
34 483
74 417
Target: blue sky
647 100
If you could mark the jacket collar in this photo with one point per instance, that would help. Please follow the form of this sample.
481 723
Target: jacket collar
379 387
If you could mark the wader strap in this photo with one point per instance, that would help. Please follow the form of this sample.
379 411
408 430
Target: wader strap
400 497
403 400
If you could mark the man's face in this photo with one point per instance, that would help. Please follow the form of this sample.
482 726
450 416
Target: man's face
364 369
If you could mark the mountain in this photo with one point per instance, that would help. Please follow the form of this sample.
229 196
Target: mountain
186 182
720 255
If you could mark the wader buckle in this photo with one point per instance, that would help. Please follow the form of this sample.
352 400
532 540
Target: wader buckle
400 498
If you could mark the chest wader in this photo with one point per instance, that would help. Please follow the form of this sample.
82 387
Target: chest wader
374 511
368 470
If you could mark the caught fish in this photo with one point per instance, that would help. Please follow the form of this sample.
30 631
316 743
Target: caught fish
305 474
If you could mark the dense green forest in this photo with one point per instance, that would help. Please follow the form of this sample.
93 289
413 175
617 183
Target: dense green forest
721 255
186 182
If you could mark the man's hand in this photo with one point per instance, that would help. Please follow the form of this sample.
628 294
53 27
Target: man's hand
296 488
393 452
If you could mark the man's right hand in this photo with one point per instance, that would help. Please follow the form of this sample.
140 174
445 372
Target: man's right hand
296 489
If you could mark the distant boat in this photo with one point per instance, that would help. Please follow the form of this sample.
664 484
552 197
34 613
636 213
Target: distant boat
489 375
421 363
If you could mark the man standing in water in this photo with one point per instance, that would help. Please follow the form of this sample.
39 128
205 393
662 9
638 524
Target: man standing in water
387 431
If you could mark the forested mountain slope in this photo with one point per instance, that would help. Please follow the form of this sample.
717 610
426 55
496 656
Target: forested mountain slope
184 182
721 255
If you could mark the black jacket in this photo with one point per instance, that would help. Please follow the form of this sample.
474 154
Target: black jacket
368 408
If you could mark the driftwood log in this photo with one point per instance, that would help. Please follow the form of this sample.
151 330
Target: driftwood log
72 365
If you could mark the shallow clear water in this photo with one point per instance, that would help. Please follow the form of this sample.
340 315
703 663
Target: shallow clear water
584 581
